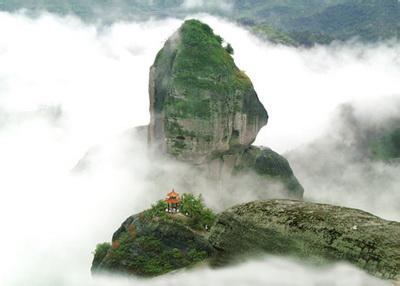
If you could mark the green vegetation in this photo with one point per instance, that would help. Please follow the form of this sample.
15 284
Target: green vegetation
199 216
202 64
197 256
197 87
191 107
100 252
317 233
292 22
274 35
154 257
229 49
155 242
150 258
370 20
269 164
309 22
157 209
119 249
293 38
194 207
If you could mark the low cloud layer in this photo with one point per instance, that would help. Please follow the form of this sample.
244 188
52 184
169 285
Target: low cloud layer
344 169
66 86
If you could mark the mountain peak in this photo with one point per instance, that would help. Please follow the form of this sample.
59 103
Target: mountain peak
201 104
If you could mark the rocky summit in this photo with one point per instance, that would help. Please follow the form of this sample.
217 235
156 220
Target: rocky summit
150 246
155 242
317 232
205 114
205 111
201 104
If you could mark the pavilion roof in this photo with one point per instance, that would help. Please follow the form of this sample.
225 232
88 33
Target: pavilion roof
173 194
172 200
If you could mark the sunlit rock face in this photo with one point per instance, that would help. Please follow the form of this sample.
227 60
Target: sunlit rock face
317 232
201 104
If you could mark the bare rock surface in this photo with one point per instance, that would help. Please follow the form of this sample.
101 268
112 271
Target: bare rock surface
317 232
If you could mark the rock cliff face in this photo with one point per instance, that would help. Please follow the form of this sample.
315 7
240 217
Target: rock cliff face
308 230
201 104
205 111
269 165
147 245
153 242
264 165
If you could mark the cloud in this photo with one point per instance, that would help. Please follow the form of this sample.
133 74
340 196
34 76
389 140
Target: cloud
343 169
66 86
301 88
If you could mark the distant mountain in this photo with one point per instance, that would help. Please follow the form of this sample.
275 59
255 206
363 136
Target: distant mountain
370 20
309 22
291 22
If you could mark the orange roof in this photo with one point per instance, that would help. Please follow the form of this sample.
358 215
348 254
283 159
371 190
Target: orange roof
173 197
173 194
172 201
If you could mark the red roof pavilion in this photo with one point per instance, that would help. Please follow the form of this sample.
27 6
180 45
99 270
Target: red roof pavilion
173 197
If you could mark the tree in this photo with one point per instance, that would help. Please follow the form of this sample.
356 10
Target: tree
157 209
194 207
229 49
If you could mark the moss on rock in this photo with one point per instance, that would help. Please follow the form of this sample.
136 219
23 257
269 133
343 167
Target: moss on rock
204 110
153 243
99 253
316 232
200 102
270 165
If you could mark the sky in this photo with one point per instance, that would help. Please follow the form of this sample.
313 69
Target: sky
67 87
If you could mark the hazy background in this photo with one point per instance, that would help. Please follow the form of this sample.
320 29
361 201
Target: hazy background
66 86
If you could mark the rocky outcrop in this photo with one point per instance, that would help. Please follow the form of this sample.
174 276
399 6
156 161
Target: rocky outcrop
262 163
148 245
205 111
205 114
201 104
154 242
308 230
269 165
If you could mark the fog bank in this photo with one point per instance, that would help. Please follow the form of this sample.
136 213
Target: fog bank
66 86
